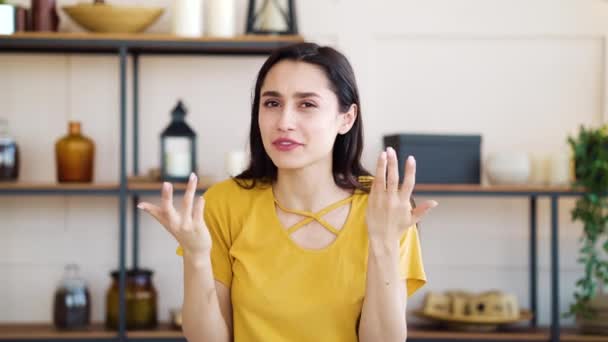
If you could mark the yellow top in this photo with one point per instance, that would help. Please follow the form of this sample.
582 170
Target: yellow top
282 291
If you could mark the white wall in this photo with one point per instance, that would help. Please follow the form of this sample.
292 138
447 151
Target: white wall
524 74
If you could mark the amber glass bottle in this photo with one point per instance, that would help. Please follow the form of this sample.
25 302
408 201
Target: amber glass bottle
74 154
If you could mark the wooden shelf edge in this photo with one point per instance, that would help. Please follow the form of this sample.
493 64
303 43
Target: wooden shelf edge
149 37
56 186
22 331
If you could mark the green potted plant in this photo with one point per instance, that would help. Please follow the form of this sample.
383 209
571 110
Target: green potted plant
590 156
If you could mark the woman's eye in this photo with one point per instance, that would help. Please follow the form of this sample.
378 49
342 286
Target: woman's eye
308 105
271 103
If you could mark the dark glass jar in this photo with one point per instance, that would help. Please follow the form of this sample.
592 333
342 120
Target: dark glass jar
141 300
9 154
72 302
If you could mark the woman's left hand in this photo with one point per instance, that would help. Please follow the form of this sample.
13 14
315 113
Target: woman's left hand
389 210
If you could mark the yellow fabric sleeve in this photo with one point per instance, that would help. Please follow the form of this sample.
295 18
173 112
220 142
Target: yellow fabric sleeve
216 219
410 265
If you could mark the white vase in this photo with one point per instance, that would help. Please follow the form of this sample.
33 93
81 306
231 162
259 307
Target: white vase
508 168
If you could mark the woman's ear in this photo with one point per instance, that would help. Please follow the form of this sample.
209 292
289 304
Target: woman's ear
348 119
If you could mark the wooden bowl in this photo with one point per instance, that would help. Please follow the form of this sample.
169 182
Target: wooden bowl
112 18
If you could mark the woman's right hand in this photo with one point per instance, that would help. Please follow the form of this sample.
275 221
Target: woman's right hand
187 226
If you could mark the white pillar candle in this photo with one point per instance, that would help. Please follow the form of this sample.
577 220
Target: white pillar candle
187 18
271 18
559 169
236 162
7 19
539 174
219 18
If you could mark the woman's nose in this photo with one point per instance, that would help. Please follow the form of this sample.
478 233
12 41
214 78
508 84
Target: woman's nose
286 120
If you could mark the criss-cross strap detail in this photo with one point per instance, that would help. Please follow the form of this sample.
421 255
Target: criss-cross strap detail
318 216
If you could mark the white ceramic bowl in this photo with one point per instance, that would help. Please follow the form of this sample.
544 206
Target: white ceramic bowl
508 168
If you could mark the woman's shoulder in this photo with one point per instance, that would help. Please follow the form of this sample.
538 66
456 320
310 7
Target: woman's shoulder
233 191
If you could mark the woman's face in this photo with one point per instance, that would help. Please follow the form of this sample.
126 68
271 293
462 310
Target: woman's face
299 115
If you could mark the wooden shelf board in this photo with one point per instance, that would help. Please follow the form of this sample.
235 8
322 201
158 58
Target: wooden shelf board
494 188
97 331
204 183
163 331
522 334
137 37
57 186
47 331
142 43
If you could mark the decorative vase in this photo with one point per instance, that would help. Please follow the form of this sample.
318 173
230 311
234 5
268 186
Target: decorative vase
508 168
74 154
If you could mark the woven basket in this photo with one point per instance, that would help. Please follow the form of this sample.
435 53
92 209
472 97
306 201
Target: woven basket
110 18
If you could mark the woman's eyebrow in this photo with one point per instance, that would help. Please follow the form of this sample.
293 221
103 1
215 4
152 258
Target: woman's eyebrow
273 93
306 94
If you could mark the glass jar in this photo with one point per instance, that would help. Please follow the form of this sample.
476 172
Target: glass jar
141 300
9 154
74 154
72 302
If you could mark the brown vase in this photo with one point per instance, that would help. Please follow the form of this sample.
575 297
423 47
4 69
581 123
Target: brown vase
74 154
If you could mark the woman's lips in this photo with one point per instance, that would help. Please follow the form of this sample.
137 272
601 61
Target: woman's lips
285 144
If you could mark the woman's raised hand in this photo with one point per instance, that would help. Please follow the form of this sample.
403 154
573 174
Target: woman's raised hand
186 225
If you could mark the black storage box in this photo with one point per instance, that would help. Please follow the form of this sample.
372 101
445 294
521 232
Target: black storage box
440 159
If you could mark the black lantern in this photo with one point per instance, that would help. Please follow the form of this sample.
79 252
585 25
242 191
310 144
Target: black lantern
177 148
271 17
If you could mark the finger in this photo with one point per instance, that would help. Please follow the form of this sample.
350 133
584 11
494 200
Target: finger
409 178
153 210
420 211
167 200
379 183
199 209
189 197
392 172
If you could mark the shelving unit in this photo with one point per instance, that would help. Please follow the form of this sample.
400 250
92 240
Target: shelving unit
122 45
136 45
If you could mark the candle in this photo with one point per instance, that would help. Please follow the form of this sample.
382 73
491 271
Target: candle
539 174
236 162
219 19
559 171
7 19
187 18
271 18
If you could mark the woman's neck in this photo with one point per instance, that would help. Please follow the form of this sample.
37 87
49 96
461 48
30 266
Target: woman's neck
308 189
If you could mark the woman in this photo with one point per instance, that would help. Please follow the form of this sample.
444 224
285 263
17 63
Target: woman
304 245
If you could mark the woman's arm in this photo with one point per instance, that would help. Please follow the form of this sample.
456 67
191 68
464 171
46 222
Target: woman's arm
383 314
389 214
207 310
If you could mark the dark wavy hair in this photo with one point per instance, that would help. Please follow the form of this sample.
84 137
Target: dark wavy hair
347 148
